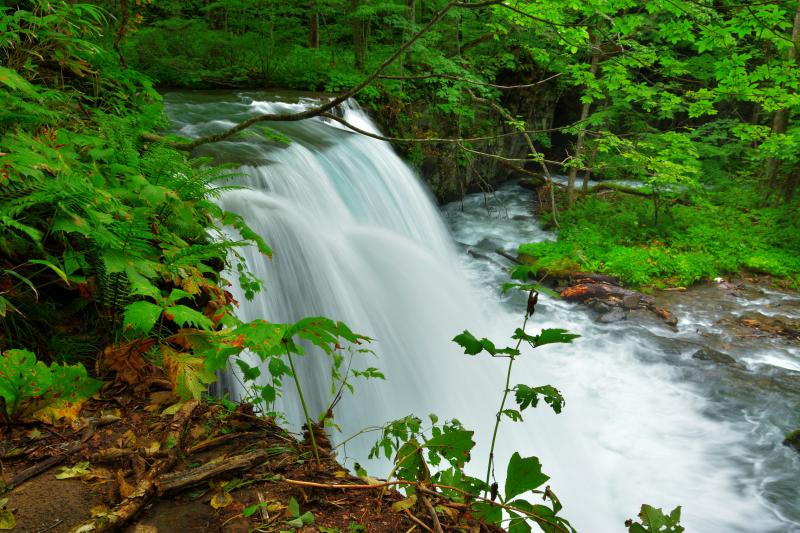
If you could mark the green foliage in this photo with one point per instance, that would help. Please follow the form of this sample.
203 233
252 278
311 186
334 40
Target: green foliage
298 520
615 235
655 521
29 387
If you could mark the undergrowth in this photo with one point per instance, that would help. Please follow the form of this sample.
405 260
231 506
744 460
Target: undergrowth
712 237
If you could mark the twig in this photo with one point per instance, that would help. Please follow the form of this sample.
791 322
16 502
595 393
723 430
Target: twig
417 521
437 527
217 441
42 466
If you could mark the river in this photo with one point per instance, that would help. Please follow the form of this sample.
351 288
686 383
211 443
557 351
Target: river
357 237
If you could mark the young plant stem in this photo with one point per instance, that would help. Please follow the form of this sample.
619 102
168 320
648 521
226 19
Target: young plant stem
309 425
506 390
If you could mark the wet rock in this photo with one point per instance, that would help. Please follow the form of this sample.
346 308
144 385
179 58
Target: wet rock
478 255
631 301
707 354
615 315
600 306
665 314
774 325
532 183
792 440
522 217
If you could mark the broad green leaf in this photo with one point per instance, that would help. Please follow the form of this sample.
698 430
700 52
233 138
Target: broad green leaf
294 507
141 316
187 373
555 335
454 444
526 396
183 316
473 346
523 474
249 373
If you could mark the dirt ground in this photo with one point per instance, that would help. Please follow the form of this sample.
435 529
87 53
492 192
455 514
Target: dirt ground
138 461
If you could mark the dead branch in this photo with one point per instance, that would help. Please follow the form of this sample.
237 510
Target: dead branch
175 481
43 466
217 441
437 526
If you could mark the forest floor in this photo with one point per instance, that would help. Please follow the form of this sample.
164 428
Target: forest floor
138 461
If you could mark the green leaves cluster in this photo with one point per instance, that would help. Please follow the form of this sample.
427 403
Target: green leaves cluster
29 388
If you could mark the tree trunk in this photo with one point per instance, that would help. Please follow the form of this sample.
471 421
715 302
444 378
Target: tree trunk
313 27
780 122
411 15
573 171
359 38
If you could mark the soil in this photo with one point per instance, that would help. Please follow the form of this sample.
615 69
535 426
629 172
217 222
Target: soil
128 437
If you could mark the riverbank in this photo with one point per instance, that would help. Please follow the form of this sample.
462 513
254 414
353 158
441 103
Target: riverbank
716 234
141 460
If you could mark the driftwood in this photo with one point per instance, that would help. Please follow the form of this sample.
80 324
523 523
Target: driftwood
176 481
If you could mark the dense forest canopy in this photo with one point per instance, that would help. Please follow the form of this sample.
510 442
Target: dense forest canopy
662 137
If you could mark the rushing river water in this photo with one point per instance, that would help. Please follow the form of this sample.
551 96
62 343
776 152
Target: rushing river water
357 237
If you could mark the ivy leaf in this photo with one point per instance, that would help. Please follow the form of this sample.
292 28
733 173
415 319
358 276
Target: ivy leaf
523 474
141 316
654 520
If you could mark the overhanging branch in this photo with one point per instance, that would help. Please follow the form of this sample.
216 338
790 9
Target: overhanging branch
330 104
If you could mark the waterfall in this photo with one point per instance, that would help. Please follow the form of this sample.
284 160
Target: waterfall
358 238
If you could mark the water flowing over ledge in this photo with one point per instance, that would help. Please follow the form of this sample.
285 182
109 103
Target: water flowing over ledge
358 238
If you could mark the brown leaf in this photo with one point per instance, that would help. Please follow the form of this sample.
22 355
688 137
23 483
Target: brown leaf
125 488
127 361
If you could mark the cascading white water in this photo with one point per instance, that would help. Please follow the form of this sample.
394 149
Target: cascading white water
357 238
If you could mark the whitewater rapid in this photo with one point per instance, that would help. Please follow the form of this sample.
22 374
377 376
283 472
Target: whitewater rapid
358 238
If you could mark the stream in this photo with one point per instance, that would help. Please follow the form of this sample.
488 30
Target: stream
357 237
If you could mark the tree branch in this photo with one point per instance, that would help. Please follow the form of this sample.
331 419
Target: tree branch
451 140
465 80
330 104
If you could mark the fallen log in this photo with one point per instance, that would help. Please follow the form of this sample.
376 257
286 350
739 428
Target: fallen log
176 481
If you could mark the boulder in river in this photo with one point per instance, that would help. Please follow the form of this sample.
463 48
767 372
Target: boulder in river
615 315
708 354
792 440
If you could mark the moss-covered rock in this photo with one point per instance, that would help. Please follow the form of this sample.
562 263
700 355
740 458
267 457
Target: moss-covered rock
792 440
